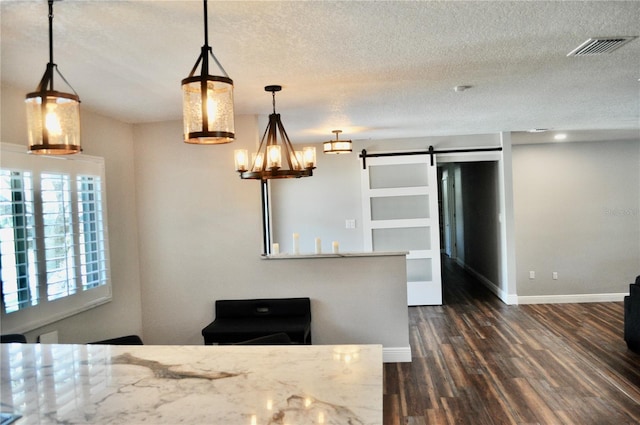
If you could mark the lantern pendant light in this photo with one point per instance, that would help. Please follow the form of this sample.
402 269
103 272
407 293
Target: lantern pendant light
53 117
337 146
274 159
207 100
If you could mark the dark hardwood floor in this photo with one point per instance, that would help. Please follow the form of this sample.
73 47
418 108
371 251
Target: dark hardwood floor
479 361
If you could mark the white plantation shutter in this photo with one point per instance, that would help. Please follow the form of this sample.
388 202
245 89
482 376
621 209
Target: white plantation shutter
17 242
54 258
57 236
93 259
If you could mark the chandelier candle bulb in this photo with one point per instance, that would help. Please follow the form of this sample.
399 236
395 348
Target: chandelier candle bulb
258 161
335 247
241 157
309 155
274 156
299 160
296 243
318 246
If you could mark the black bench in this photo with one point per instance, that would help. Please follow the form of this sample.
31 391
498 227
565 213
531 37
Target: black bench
632 316
242 320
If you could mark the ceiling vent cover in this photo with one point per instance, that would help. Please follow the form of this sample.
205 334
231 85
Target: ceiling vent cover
600 45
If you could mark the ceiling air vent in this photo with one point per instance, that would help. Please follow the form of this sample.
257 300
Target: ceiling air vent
599 45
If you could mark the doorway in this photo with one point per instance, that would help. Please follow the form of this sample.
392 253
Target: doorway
470 218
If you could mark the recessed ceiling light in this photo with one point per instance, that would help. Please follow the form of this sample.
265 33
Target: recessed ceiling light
560 136
537 130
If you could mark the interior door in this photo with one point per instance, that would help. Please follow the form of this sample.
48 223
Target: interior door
400 213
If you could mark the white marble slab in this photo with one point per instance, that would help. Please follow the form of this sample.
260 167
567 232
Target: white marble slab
252 385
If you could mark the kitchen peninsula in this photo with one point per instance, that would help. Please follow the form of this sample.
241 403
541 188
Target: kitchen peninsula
253 385
356 297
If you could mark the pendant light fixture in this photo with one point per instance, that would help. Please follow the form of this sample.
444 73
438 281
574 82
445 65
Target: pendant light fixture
337 146
275 159
207 100
53 117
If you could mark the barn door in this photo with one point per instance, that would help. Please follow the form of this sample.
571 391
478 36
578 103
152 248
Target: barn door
400 213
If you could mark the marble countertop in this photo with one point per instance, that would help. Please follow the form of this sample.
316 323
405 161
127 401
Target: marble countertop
252 385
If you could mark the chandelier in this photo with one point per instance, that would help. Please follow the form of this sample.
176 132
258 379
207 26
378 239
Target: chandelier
53 117
207 100
275 159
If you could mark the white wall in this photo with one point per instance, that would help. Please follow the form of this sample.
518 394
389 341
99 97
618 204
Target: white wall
112 140
577 212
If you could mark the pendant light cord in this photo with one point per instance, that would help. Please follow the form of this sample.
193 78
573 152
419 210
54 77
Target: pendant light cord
273 101
206 25
47 78
50 31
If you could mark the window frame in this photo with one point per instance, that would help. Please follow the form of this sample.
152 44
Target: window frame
15 158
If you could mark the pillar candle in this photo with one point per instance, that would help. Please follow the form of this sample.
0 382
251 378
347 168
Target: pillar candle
275 249
335 247
296 243
318 246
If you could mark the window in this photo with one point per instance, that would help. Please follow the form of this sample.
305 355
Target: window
54 258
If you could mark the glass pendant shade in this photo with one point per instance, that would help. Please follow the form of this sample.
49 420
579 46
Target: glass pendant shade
337 146
53 117
207 100
53 121
213 123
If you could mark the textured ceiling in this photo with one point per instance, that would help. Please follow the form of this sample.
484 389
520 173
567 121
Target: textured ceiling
373 69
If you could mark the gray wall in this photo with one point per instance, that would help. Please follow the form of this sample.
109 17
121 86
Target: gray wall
185 230
577 212
318 206
200 236
112 140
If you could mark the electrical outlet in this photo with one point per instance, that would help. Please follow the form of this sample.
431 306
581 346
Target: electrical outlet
532 274
555 275
350 223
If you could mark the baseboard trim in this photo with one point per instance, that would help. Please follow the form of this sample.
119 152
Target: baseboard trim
396 354
498 292
542 299
571 299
